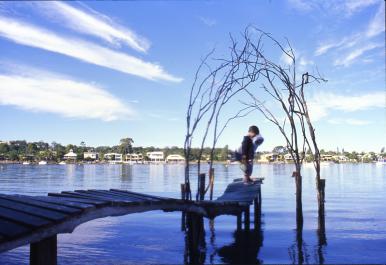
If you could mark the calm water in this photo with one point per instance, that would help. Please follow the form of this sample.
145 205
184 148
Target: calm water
355 216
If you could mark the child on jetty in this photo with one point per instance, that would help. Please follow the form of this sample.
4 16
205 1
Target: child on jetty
246 152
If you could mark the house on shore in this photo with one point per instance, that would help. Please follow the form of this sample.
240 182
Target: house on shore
70 156
156 156
341 159
113 158
268 158
175 159
133 158
327 158
89 155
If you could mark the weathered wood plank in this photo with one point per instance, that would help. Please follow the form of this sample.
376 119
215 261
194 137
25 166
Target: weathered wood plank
94 196
68 201
139 195
34 201
10 229
79 198
60 204
238 191
33 210
23 218
118 195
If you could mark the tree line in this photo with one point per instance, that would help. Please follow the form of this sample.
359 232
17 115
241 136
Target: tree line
21 150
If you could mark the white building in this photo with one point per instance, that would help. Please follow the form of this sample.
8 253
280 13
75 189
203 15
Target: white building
156 156
90 155
114 158
288 158
70 155
175 159
341 159
134 158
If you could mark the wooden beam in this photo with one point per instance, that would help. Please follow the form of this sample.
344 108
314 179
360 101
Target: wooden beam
44 252
247 222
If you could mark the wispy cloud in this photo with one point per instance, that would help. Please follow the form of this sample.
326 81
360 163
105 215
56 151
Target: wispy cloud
349 58
377 24
26 34
321 104
210 22
355 122
353 6
351 47
341 7
93 23
47 92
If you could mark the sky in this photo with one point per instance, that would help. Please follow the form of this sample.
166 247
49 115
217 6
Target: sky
101 71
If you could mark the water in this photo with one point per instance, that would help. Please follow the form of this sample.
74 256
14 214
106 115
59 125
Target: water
355 216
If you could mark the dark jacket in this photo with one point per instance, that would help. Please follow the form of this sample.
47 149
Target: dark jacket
248 147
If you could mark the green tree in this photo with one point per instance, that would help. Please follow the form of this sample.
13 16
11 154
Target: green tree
126 146
279 149
4 148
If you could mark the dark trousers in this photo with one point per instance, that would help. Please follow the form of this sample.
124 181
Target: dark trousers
247 167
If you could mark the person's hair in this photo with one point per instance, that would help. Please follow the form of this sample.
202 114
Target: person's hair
254 129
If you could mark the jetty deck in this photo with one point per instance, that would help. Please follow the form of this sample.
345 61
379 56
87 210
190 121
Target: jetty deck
36 220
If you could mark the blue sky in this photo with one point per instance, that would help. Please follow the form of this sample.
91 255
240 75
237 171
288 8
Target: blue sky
101 71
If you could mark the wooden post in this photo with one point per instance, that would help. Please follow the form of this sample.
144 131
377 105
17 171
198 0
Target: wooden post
44 252
299 204
211 179
202 186
183 214
257 213
247 218
239 222
196 238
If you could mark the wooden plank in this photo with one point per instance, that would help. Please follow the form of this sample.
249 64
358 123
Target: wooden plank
44 252
139 195
91 196
64 201
120 195
60 205
109 196
33 210
22 218
34 201
78 198
9 229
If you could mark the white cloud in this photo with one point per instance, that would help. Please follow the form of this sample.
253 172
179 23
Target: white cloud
210 22
353 6
349 58
377 24
93 23
355 122
322 103
341 7
345 42
86 51
352 47
56 94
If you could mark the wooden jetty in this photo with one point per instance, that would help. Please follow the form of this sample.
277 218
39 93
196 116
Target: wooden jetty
36 220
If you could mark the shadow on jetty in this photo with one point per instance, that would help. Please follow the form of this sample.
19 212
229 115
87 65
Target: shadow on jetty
244 249
246 246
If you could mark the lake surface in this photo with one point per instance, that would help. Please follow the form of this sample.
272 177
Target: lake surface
355 216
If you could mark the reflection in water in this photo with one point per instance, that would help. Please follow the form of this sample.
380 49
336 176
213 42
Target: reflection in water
298 250
245 248
355 217
322 239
